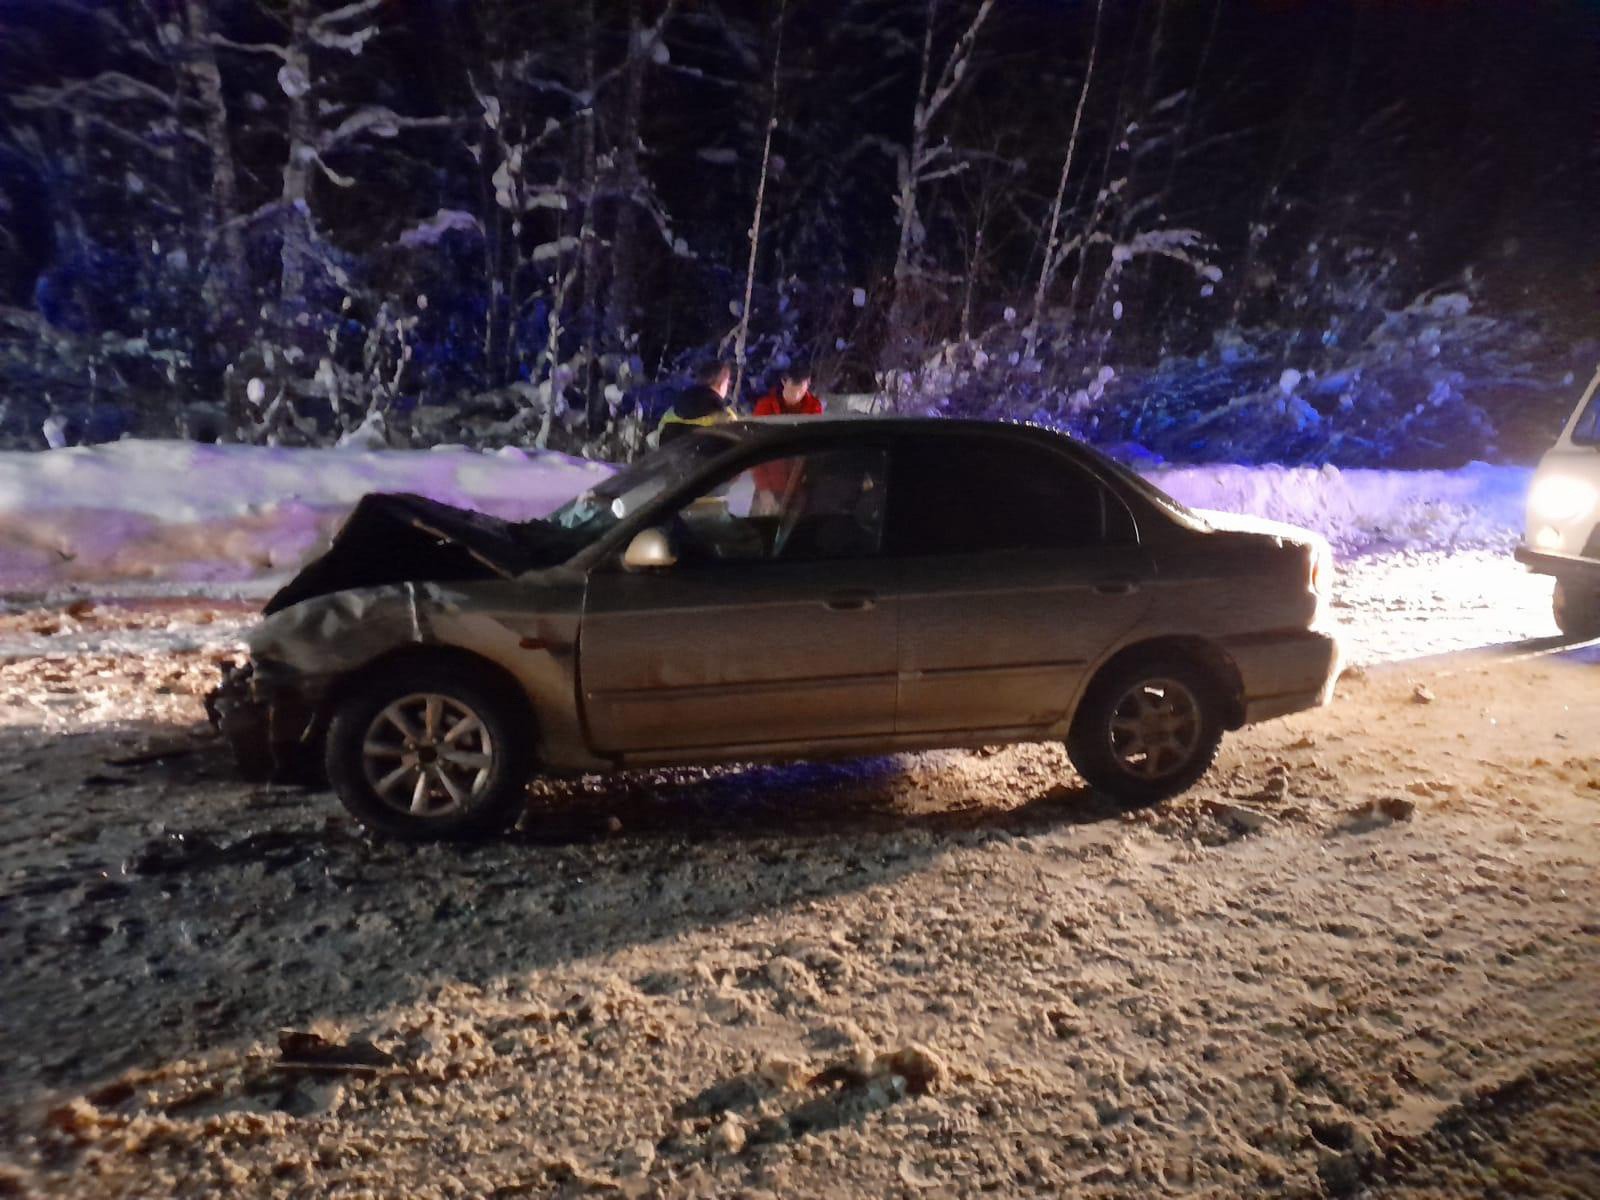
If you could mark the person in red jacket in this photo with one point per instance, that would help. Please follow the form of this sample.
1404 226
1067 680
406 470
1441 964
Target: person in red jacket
792 397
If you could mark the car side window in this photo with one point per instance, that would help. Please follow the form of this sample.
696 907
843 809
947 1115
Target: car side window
826 504
965 495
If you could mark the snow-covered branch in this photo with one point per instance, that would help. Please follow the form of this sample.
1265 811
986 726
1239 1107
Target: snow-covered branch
219 42
349 12
380 122
108 87
955 67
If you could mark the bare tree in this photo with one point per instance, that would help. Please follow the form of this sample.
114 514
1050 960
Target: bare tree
924 159
987 194
621 299
754 235
226 272
1054 253
316 126
294 77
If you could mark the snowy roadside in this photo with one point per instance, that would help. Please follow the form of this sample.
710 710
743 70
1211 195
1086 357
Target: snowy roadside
198 517
179 517
1360 955
1367 511
140 530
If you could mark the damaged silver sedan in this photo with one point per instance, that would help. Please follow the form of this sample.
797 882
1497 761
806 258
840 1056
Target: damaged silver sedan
779 590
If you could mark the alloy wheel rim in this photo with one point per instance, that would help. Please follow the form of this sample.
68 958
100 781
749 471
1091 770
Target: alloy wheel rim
1155 728
428 755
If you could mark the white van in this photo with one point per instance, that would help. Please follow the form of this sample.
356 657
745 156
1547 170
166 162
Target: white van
1563 530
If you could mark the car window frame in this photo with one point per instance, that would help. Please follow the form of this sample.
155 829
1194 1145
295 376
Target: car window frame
744 453
1009 440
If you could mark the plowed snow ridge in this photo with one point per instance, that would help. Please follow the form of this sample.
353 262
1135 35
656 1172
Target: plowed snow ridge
184 513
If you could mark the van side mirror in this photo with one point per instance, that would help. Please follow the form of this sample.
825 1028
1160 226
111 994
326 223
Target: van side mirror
650 550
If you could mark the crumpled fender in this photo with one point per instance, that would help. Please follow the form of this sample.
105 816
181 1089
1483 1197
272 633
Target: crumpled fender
333 634
527 628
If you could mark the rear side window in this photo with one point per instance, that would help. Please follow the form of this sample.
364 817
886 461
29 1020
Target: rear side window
950 494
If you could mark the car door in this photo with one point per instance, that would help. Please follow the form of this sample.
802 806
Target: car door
1017 569
775 627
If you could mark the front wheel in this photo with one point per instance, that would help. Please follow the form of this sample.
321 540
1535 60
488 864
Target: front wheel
430 751
1577 609
1147 729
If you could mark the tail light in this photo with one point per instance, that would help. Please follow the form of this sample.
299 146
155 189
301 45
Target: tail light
1321 571
1321 579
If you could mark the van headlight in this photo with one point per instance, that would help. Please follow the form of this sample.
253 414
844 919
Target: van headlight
1548 538
1561 498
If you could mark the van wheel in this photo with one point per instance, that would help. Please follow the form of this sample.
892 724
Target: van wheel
1577 609
1147 729
430 750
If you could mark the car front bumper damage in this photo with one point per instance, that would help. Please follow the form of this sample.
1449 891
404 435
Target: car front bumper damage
268 716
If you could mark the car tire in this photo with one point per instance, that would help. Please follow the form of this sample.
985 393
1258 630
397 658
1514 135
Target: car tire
431 750
1577 609
1147 728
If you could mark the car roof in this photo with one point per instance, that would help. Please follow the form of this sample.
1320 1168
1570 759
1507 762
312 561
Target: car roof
750 432
866 423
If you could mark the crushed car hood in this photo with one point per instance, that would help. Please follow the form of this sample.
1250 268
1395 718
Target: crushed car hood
401 538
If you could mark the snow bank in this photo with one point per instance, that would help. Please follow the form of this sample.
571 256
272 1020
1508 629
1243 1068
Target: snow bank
180 513
1477 506
186 512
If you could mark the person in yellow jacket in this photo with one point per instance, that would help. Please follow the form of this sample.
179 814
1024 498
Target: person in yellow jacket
703 403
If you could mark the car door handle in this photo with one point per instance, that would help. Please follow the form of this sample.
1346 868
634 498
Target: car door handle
1117 587
850 601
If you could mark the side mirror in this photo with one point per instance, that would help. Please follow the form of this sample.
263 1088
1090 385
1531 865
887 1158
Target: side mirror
651 549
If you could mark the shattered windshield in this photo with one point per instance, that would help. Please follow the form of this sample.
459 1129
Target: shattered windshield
600 509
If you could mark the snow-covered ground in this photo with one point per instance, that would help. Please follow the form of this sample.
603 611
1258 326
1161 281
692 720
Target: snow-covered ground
178 516
1358 958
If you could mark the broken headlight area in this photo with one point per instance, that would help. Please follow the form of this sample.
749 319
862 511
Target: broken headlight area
268 720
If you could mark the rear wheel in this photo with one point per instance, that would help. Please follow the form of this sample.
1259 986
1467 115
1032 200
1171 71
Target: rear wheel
1147 729
430 750
1577 609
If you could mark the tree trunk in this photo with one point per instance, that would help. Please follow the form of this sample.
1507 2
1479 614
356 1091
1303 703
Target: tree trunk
588 258
974 266
919 159
755 218
1051 263
296 195
496 316
620 302
910 165
225 274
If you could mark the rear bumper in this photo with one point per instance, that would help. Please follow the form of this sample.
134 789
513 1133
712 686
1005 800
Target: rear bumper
1282 673
1562 566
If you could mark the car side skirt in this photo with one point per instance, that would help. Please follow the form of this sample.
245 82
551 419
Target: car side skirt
832 747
